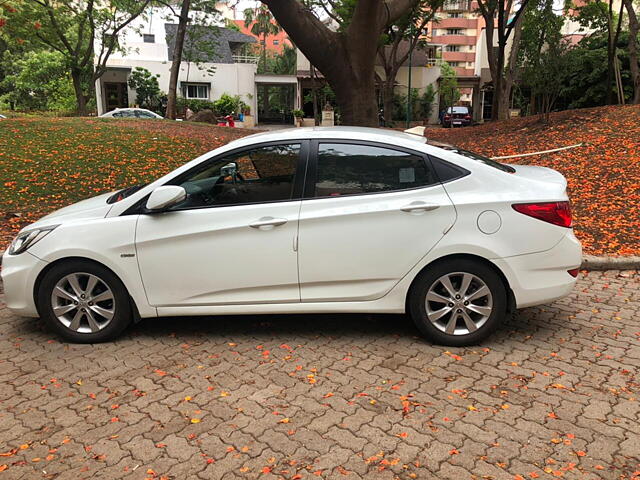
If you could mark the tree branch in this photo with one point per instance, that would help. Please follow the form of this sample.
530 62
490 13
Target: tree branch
306 30
54 23
398 8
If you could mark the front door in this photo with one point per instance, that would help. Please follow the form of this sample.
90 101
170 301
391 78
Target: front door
375 212
233 239
116 95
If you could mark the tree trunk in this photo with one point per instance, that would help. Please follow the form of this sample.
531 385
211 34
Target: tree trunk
314 95
612 43
177 60
388 88
264 52
81 99
345 58
504 100
506 24
357 100
633 50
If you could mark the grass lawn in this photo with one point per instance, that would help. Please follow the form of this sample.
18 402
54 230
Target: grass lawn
47 163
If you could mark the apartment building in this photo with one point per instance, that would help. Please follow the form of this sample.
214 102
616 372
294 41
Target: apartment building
457 29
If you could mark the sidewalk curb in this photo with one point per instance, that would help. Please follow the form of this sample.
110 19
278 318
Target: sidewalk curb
589 262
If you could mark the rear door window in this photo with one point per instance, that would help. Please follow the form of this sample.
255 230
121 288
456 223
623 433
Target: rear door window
353 169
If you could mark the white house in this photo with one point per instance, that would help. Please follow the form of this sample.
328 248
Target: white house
205 73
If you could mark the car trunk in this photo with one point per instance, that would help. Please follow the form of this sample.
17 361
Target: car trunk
544 175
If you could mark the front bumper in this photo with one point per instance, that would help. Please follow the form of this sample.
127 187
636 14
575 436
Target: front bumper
19 274
539 278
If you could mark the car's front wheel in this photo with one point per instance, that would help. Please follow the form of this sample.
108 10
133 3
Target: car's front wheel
458 302
84 302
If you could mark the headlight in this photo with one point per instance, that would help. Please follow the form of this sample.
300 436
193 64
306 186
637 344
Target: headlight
26 239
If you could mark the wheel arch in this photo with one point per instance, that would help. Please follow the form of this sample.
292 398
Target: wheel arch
511 302
59 261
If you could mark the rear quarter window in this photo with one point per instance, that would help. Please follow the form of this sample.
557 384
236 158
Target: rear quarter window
445 171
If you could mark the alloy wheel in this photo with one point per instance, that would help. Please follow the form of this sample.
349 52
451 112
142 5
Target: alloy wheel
458 303
83 302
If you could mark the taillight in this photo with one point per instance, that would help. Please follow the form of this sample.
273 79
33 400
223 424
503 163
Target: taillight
447 117
557 213
467 117
573 272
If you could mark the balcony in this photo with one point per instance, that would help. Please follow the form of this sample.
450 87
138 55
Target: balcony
457 23
454 39
434 62
464 72
245 59
456 5
459 56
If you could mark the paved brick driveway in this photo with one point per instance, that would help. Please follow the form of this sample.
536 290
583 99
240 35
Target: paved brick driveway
554 394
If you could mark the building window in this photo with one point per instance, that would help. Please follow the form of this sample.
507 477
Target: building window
276 42
454 31
148 38
452 48
198 91
454 15
454 64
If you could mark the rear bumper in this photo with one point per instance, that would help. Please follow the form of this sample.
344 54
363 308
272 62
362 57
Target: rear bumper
539 278
19 273
463 123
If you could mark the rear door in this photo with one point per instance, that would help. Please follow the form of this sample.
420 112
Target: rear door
370 213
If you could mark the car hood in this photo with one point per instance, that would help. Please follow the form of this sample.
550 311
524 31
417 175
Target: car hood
95 207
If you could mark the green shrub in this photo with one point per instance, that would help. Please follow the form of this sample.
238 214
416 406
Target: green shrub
148 94
39 81
227 104
195 105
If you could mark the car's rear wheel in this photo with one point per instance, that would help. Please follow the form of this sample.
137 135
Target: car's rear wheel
458 302
84 302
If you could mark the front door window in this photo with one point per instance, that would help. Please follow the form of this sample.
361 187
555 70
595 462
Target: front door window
260 175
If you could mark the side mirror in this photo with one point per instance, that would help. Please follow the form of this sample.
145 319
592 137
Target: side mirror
229 170
164 197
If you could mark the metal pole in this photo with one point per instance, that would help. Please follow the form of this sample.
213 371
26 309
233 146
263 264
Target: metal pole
410 68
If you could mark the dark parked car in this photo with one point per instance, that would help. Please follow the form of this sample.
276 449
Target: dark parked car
457 117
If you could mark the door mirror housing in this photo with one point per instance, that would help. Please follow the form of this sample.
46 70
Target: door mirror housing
229 170
165 197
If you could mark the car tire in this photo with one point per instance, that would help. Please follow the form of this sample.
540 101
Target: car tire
440 292
84 302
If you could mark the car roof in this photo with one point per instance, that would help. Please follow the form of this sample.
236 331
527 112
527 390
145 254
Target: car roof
337 133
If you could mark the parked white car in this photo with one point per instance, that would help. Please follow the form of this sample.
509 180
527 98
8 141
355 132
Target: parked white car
306 220
132 113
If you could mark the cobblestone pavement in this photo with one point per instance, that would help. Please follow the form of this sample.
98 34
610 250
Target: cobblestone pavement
553 394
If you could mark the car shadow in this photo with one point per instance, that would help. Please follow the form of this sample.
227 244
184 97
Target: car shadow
537 322
282 325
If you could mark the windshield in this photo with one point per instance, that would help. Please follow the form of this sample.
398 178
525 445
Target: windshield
475 156
124 193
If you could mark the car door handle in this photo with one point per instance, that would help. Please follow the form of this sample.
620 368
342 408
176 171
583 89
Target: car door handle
419 207
267 223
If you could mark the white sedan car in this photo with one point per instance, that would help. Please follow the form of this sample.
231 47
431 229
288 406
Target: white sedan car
132 113
319 220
